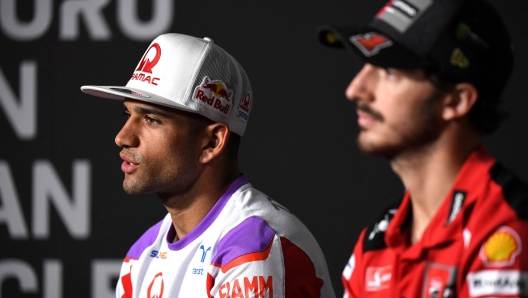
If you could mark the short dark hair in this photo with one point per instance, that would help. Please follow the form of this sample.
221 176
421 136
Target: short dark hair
198 122
486 114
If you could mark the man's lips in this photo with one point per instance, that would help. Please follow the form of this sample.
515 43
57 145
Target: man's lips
128 166
367 116
365 119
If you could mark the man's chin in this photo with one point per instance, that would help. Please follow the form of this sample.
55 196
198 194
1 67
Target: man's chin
135 189
373 148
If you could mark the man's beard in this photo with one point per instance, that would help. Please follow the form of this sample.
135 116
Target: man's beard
176 179
426 129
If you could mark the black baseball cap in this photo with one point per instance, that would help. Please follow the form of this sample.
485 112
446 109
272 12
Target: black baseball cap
465 39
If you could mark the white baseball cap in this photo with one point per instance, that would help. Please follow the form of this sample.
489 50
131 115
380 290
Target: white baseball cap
189 74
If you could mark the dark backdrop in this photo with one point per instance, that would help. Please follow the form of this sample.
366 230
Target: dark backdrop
65 222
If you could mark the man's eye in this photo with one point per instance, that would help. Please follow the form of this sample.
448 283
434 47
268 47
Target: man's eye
126 114
151 121
390 71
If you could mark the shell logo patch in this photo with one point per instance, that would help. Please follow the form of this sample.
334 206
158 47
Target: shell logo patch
501 248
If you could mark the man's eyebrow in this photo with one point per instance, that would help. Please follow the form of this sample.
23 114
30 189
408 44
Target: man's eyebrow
145 110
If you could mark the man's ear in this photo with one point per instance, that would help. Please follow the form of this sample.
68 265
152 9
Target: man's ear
459 102
216 136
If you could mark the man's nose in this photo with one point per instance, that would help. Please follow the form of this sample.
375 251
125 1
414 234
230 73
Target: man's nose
127 137
361 86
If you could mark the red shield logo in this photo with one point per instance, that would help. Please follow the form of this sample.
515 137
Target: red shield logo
150 59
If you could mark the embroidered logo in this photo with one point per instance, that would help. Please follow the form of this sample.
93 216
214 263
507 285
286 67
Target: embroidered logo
498 283
405 7
215 94
130 92
439 281
371 43
149 60
383 224
501 248
458 58
378 278
277 206
259 286
244 108
402 14
204 252
456 205
158 254
155 289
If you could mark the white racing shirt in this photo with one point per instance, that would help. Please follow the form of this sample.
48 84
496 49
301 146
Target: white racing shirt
248 245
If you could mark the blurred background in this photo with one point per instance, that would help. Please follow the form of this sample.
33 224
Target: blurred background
66 223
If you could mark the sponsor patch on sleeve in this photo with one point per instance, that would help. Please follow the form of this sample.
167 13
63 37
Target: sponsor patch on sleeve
501 248
378 278
439 280
497 282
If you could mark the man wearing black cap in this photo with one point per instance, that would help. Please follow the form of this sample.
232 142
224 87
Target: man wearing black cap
428 91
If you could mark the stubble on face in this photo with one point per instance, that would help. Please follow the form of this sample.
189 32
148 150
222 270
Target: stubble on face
175 174
166 155
421 128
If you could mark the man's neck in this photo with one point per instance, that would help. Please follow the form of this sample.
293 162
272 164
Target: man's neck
188 209
428 173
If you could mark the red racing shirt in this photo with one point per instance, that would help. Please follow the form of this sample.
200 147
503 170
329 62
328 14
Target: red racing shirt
475 246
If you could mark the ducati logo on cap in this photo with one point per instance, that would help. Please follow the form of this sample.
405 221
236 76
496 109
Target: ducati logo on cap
148 61
370 43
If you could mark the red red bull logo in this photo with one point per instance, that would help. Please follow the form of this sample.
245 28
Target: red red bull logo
256 286
215 94
244 108
149 60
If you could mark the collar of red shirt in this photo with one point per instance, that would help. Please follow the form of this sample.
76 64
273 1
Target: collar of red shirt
448 223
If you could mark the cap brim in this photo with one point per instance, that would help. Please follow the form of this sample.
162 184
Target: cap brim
120 93
372 46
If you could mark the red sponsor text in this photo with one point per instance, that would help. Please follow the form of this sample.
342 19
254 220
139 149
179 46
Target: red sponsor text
256 286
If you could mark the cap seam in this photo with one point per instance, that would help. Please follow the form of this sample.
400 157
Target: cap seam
196 70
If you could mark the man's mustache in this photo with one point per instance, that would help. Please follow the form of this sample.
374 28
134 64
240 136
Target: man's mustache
369 111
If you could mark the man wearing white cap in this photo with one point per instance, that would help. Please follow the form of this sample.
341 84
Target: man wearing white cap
188 103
